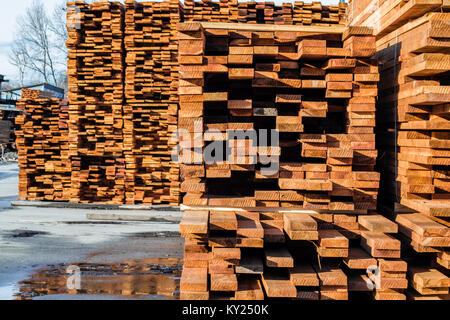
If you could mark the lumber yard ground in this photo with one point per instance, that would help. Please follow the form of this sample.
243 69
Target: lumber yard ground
37 240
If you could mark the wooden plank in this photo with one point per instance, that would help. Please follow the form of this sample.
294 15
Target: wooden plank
378 223
277 286
223 220
194 279
194 222
273 28
278 258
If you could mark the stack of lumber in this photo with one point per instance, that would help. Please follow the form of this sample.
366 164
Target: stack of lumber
150 109
386 16
123 77
95 71
42 141
428 283
254 255
264 12
414 109
206 10
31 94
232 79
316 13
317 93
428 241
413 130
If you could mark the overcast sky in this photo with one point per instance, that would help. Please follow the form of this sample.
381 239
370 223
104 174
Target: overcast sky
12 9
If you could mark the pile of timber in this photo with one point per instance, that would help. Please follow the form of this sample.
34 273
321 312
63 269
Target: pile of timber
96 126
315 13
413 130
316 92
151 102
428 243
222 11
31 94
386 16
299 13
43 144
414 108
265 13
255 255
123 78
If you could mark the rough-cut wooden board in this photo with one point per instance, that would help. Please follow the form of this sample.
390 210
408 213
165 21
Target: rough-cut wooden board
278 257
277 286
304 275
278 28
194 222
329 276
250 229
249 289
359 259
299 222
250 264
428 278
332 239
389 294
223 220
378 223
224 282
194 279
380 241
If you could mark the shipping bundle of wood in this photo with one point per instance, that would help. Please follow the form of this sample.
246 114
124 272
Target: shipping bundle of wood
428 241
265 12
298 13
31 94
414 114
315 13
316 93
413 131
387 15
43 144
123 79
220 11
95 74
150 109
250 255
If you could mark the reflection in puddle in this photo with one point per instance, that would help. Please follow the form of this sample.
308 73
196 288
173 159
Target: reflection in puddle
142 279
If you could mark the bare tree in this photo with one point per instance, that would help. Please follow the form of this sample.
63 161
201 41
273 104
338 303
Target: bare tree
19 60
58 26
37 49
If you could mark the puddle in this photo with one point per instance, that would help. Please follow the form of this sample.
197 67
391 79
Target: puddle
165 234
156 278
26 233
93 222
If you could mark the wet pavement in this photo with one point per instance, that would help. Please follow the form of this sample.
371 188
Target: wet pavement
139 279
37 244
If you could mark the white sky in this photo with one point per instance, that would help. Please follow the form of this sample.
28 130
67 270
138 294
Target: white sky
12 9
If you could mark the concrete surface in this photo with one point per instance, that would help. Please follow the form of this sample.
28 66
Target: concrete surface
89 206
32 237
